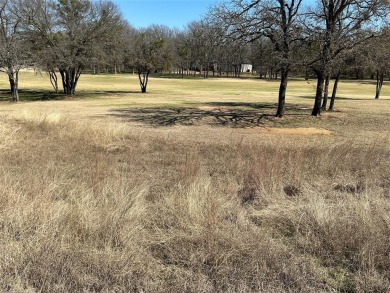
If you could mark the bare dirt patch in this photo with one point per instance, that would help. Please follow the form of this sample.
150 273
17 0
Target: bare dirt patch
297 131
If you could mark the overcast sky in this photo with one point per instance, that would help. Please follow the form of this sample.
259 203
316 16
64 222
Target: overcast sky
172 13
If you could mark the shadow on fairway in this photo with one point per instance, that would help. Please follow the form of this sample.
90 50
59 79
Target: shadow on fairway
231 114
339 98
30 95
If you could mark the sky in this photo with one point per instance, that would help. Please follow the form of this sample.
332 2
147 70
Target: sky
172 13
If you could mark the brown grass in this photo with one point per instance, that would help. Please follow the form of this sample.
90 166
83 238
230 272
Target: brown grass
102 204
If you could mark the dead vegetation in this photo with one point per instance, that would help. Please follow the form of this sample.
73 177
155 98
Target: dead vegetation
93 202
111 208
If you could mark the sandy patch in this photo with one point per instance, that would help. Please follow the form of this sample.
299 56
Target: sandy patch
297 131
214 109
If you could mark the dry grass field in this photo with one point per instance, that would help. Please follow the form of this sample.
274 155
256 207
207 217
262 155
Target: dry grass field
193 187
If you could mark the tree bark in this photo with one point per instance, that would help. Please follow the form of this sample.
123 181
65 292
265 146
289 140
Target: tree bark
379 82
334 92
70 77
282 92
53 80
143 80
319 93
13 77
326 93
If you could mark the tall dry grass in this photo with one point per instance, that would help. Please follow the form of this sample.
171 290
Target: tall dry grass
109 208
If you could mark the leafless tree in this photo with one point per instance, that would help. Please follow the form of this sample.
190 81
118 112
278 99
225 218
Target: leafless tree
147 53
70 33
14 51
275 19
377 59
335 26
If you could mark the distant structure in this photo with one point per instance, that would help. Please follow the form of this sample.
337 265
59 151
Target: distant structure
246 68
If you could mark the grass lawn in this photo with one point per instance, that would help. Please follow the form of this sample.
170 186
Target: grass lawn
200 101
193 187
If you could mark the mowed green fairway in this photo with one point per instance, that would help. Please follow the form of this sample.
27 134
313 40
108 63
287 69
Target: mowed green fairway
194 186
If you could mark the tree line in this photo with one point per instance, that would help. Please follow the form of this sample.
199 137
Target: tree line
280 38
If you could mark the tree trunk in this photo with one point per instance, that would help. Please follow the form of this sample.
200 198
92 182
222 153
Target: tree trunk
379 83
70 77
319 93
143 80
282 92
206 71
13 77
306 73
326 93
53 80
334 92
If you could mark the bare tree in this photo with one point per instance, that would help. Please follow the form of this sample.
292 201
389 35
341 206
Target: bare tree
202 45
182 52
334 71
264 61
14 51
147 53
338 69
275 19
70 33
336 26
378 60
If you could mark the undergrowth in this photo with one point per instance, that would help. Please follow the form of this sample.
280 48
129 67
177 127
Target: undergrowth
109 208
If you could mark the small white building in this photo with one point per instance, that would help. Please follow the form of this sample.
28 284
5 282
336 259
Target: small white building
246 68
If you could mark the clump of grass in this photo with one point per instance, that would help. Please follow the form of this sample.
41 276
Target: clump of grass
109 208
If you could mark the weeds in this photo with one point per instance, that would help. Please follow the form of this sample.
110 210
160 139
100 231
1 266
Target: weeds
90 202
115 209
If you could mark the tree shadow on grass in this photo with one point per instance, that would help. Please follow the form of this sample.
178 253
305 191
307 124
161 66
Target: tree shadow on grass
31 95
230 114
253 106
340 98
291 108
